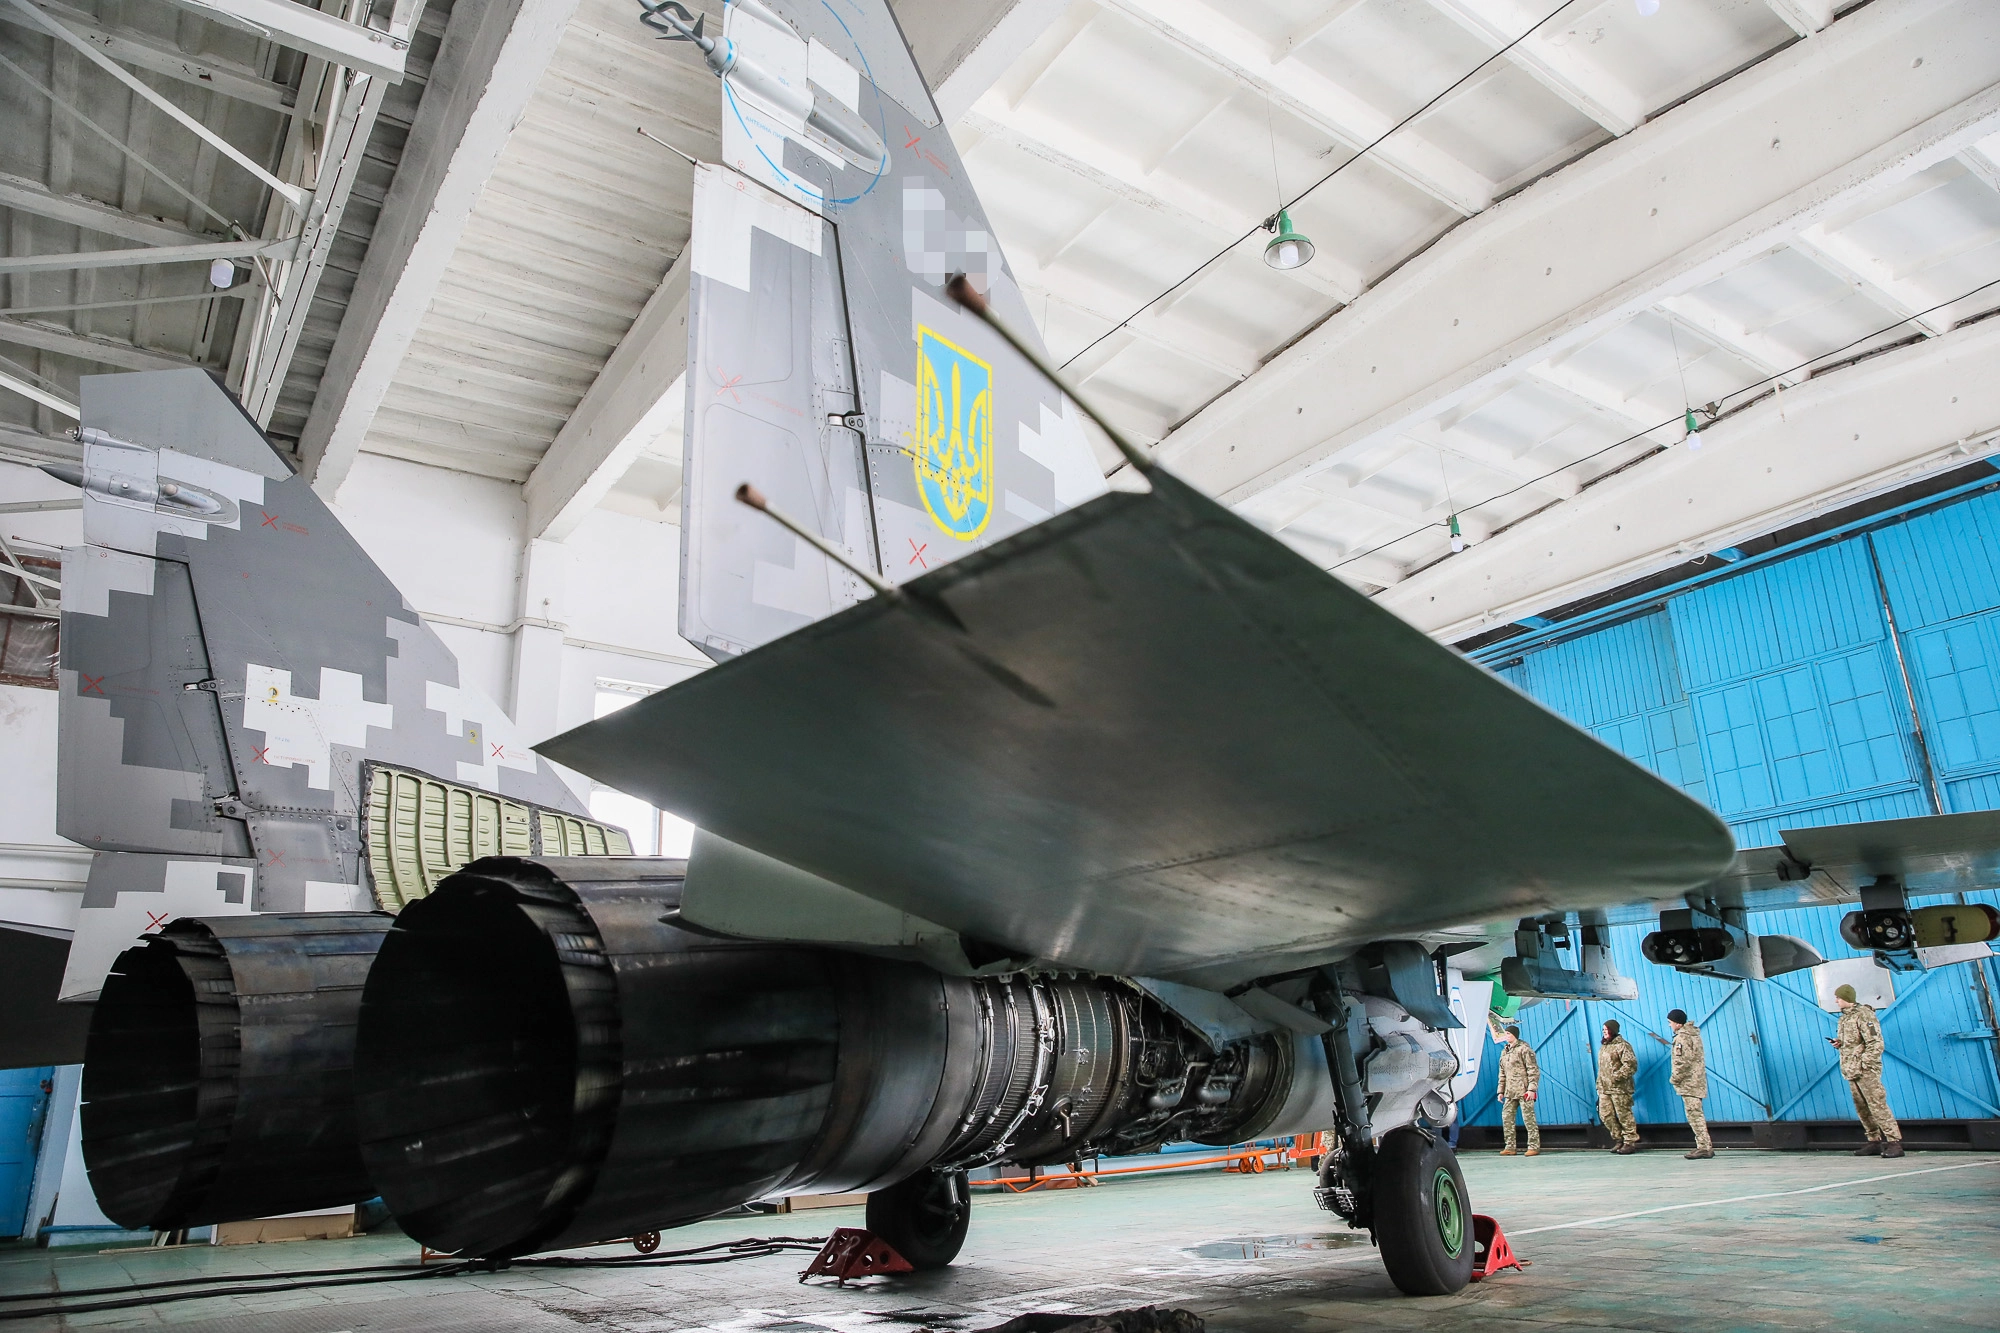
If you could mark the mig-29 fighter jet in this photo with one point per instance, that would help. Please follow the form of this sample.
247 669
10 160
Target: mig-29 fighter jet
1108 822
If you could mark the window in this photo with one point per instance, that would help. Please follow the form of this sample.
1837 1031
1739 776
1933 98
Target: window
30 589
654 832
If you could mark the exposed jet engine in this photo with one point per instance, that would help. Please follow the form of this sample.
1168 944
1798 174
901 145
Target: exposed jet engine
548 1057
216 1081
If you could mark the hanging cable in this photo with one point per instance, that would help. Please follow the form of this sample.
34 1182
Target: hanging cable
1359 153
1772 379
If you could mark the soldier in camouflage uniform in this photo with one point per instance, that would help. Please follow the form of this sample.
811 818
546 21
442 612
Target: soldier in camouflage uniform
1689 1078
1617 1063
1520 1076
1859 1040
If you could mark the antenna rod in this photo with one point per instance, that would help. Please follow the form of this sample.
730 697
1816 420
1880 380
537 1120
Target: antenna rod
750 495
693 162
962 291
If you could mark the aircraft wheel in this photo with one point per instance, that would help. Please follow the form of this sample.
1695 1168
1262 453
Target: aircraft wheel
925 1217
1423 1216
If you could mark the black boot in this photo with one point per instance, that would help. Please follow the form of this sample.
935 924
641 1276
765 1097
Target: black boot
1893 1148
1873 1148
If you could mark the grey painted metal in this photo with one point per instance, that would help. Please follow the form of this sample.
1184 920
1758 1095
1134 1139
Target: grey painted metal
827 367
232 658
216 1081
1021 749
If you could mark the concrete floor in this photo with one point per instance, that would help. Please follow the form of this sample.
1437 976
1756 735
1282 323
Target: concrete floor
1749 1240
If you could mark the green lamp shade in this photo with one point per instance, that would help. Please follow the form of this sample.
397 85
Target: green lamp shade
1288 249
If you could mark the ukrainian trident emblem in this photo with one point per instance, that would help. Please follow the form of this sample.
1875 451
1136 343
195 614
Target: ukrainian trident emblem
954 453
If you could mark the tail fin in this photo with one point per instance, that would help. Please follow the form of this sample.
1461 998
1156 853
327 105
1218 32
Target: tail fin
825 363
234 671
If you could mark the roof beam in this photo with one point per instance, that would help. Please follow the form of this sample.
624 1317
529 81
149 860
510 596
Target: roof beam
1697 192
1575 78
204 252
1330 13
31 444
1910 413
1594 395
1983 160
100 351
36 393
145 51
1761 352
1240 54
964 46
165 105
1868 275
27 196
1804 17
304 28
487 75
639 395
1125 179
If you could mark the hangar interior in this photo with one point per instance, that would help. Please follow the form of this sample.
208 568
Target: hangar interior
1636 353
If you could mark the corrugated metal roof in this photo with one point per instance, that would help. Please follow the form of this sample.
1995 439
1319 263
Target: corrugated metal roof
357 226
577 226
131 317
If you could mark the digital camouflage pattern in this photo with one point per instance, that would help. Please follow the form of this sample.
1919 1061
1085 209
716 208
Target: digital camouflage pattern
1859 1038
1688 1073
1689 1077
1520 1075
1617 1064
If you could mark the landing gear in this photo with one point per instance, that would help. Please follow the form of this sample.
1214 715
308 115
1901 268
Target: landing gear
925 1217
1423 1216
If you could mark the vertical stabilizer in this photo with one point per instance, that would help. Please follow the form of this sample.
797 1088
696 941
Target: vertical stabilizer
232 665
826 364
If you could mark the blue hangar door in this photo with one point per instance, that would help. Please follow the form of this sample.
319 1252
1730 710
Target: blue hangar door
24 1100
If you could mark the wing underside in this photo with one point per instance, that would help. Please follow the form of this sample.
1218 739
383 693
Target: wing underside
1145 737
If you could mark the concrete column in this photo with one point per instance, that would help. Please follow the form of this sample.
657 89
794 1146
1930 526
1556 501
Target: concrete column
538 640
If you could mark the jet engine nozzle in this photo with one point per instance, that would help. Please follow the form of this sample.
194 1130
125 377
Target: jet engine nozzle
216 1076
547 1057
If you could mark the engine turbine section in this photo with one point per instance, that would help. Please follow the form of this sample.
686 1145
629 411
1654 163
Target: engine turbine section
547 1057
216 1076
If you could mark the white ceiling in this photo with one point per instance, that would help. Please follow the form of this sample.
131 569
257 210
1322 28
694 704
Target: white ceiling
1135 142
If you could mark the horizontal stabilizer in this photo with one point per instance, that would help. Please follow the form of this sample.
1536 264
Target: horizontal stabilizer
1146 738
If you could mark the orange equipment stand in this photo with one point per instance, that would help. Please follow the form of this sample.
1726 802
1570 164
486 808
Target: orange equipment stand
1490 1250
852 1252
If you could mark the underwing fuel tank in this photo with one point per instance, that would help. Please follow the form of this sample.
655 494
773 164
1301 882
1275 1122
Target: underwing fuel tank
547 1057
216 1079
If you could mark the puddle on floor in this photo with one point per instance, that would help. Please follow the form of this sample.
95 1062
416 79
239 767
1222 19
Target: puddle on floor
1267 1247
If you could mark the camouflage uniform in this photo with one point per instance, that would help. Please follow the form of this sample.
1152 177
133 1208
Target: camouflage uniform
1689 1078
1519 1076
1616 1065
1860 1040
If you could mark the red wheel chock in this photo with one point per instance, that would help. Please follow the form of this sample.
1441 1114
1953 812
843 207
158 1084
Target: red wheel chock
852 1252
1490 1250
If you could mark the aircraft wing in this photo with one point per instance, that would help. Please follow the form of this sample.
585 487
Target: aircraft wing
1144 737
1930 854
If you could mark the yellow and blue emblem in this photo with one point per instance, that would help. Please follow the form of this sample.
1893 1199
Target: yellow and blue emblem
954 453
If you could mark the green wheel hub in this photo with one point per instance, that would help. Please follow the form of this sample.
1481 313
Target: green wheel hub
1450 1214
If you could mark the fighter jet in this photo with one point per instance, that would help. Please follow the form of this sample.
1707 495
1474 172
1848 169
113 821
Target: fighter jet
1038 819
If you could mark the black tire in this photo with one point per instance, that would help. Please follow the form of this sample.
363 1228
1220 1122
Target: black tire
924 1217
1423 1215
